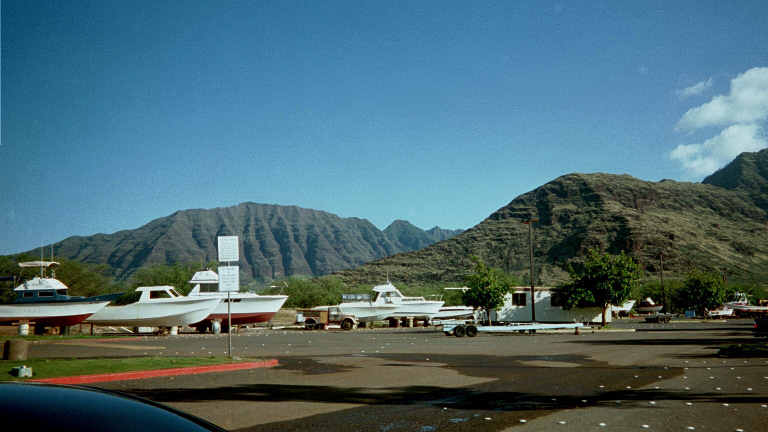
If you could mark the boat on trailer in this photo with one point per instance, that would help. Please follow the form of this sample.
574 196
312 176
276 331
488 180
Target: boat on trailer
45 302
454 312
389 302
157 306
244 308
649 306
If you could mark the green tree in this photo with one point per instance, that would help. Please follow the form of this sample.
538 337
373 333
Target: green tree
487 287
702 291
601 280
306 293
86 279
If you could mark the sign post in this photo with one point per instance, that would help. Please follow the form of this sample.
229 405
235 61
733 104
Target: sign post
229 277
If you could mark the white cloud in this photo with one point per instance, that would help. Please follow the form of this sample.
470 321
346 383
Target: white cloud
747 102
696 89
741 113
705 158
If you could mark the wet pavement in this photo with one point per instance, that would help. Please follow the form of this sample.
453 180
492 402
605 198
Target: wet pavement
659 377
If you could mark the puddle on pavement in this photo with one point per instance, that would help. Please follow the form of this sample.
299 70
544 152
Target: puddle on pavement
310 366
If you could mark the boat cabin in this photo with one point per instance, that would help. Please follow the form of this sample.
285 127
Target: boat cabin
151 293
205 281
388 293
41 290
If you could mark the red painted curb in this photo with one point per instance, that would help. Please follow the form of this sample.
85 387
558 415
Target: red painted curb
112 339
122 376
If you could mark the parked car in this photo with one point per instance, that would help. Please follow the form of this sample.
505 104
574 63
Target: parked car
322 317
46 407
761 326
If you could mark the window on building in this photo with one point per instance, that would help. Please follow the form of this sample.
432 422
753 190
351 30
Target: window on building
556 299
518 299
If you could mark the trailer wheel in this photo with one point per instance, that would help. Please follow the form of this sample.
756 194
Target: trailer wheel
309 324
347 324
471 331
459 331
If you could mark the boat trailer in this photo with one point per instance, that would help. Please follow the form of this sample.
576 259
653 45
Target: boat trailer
471 329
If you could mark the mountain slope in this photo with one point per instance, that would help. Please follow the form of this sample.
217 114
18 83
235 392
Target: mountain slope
747 173
275 241
690 224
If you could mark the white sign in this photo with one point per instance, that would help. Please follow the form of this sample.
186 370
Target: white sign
228 249
229 278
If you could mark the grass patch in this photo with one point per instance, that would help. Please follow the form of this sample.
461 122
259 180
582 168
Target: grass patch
52 368
757 349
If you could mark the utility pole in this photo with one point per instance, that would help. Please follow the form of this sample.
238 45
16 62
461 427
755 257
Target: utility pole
661 279
530 222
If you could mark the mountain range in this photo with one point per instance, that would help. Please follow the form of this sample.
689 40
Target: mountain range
718 225
275 241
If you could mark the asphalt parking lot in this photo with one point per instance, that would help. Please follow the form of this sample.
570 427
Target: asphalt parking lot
662 377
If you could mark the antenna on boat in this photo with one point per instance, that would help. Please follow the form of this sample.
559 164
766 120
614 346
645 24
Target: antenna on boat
53 271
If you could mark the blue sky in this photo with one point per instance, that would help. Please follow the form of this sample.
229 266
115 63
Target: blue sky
115 113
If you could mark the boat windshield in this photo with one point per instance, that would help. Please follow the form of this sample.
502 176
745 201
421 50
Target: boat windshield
174 293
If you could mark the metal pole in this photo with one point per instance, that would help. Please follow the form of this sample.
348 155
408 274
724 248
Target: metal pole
229 323
533 298
661 278
530 249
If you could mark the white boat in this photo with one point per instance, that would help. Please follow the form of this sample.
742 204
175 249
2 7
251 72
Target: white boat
455 312
740 307
244 308
389 302
158 306
648 306
750 310
44 301
624 309
363 308
724 311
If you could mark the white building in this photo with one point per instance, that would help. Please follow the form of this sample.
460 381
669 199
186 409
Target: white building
517 308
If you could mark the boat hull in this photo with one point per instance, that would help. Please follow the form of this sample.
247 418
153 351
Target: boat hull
423 309
449 312
650 309
50 314
181 311
245 308
367 312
